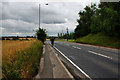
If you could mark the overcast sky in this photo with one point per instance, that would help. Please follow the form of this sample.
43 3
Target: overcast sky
21 18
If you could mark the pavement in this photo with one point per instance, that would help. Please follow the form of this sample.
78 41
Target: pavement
51 66
91 61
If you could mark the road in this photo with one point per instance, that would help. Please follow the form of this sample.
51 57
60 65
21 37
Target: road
90 61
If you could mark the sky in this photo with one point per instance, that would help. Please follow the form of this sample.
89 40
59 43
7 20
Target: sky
21 18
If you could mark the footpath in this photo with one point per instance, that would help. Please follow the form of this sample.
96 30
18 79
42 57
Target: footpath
51 66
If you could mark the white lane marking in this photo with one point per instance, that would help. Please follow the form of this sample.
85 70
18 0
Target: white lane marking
73 63
76 47
100 54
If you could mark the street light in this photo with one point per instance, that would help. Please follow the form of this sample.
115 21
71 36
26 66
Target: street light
39 13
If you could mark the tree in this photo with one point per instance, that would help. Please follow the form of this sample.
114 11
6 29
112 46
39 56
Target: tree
104 19
41 34
83 27
107 19
110 17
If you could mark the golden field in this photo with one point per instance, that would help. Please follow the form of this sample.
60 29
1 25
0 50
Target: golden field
18 58
9 48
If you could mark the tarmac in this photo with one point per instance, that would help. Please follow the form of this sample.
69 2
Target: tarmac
51 66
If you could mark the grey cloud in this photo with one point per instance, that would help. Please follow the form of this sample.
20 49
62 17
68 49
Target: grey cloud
29 12
17 26
23 17
20 11
52 19
17 17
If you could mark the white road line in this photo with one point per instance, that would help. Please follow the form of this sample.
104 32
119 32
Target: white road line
76 47
73 63
100 54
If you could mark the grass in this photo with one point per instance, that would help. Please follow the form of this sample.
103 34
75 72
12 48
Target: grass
100 39
70 40
60 40
20 59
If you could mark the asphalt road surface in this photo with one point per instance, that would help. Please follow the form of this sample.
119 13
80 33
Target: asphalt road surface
90 61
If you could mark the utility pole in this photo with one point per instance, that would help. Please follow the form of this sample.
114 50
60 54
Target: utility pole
67 33
62 32
39 15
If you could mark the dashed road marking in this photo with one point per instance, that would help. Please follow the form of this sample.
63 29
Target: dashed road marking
73 64
76 47
100 54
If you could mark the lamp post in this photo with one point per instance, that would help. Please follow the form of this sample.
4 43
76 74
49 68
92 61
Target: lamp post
39 13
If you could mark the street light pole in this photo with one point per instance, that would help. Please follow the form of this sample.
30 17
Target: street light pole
39 15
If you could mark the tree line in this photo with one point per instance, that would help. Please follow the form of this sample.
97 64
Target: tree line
104 18
64 35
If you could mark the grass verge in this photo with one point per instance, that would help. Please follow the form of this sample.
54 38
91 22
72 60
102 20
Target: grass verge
100 39
70 40
22 62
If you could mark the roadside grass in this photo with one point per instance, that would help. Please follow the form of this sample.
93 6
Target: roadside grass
100 39
20 59
60 40
70 40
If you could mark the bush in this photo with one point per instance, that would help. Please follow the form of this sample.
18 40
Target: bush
41 34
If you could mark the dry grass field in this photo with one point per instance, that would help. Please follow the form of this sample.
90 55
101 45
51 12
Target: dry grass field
0 58
18 58
9 48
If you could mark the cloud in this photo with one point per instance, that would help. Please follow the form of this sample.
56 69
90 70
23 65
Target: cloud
21 18
20 11
17 26
29 12
43 1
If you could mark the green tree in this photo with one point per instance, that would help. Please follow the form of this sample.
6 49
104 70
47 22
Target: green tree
41 34
107 19
83 27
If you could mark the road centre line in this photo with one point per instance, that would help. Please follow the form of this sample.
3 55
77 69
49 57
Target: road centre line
100 54
73 63
76 47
